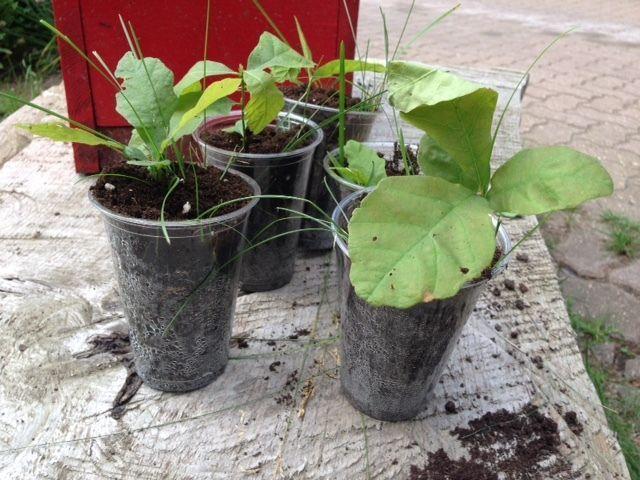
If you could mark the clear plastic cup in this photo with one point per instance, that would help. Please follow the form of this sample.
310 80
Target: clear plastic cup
391 358
194 279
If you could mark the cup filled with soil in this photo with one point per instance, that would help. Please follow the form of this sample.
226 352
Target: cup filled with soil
178 278
395 165
321 105
278 159
391 358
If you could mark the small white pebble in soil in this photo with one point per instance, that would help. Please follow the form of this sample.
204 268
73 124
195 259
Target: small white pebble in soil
109 186
186 208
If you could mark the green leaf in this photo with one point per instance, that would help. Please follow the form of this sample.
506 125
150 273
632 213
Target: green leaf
148 99
283 74
455 113
364 165
63 133
237 128
434 161
416 238
213 93
137 142
202 69
186 102
134 153
272 52
332 68
546 179
266 100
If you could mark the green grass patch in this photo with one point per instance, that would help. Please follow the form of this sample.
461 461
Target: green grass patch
621 401
622 412
27 86
596 331
624 234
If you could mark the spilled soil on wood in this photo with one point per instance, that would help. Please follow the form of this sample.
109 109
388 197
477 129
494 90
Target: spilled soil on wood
522 445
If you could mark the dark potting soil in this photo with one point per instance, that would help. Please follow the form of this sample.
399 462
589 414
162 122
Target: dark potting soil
324 97
143 199
395 165
574 424
487 273
520 445
269 140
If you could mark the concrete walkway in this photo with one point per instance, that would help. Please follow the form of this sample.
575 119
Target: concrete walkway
584 93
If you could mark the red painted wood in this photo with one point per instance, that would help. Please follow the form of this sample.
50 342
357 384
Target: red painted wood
76 80
174 30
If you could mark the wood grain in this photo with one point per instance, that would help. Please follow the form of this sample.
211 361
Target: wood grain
57 290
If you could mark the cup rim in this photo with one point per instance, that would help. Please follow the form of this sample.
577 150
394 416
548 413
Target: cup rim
236 115
322 108
178 224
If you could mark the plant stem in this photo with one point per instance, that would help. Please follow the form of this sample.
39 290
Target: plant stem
163 224
242 105
524 237
342 102
270 21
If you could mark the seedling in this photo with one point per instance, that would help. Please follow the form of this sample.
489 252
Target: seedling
328 73
420 238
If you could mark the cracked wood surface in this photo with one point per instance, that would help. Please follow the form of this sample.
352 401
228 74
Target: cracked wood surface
261 419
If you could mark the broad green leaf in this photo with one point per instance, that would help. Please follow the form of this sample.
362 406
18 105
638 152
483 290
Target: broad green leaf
202 69
148 99
237 128
213 93
266 100
546 179
186 102
283 74
272 52
134 153
332 68
412 85
256 80
137 142
434 161
348 175
63 133
455 113
417 238
148 140
363 164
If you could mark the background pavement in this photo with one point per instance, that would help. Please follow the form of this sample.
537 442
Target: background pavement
584 93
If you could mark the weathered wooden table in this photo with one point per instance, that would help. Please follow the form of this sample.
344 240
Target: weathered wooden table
277 412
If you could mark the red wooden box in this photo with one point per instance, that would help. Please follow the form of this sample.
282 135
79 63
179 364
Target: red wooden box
174 30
